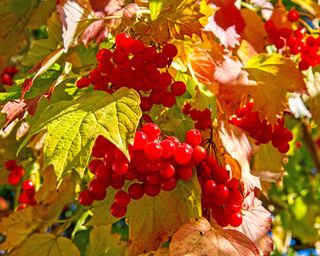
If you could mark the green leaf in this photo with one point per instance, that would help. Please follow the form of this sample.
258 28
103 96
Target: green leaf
47 245
73 126
13 94
299 208
155 7
103 242
153 219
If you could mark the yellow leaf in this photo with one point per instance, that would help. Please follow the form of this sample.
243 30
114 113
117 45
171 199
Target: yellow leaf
17 226
309 6
103 242
176 19
47 245
271 82
254 31
271 170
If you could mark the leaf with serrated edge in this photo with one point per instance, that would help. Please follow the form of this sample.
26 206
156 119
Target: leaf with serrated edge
256 222
103 242
153 219
73 126
47 245
199 238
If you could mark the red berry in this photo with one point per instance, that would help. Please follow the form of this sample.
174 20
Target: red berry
98 189
118 211
151 130
19 171
28 187
293 15
193 137
209 187
169 51
136 191
153 150
167 170
123 40
185 173
10 165
140 140
183 154
168 100
169 184
178 88
86 197
120 167
94 165
6 79
152 190
221 193
13 179
104 55
235 219
168 148
199 154
122 198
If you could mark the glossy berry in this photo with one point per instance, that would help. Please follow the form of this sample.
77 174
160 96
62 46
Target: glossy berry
193 137
293 15
86 198
178 88
235 219
199 154
183 154
13 179
209 187
169 50
151 130
122 198
185 173
28 187
140 140
167 170
10 165
98 189
168 148
136 191
117 210
153 150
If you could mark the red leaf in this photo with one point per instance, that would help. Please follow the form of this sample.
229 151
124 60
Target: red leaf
14 110
199 238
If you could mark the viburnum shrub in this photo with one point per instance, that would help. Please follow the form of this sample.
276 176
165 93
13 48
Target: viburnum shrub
178 127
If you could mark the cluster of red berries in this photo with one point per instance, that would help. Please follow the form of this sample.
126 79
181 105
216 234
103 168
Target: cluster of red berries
220 194
157 163
261 130
133 65
27 195
295 41
8 75
202 118
16 172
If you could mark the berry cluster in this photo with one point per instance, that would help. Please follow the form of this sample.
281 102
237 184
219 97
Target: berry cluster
16 172
27 195
202 118
220 194
133 65
156 163
261 130
8 75
296 42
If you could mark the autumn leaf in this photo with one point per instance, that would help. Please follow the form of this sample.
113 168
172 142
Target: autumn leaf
17 227
102 242
175 19
47 245
71 13
254 31
198 237
237 145
268 171
153 219
269 72
256 222
72 127
279 16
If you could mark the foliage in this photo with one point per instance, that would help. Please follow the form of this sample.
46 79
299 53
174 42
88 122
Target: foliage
249 80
